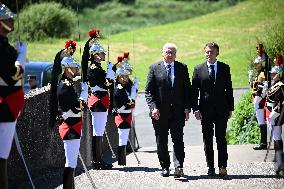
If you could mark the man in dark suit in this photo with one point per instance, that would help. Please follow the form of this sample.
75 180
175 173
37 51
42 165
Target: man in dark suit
211 82
167 95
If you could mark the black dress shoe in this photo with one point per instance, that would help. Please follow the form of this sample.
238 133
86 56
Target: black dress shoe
165 172
222 171
101 165
178 173
211 171
105 166
260 147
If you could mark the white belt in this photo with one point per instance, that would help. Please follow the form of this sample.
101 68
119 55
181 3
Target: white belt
123 110
270 104
3 83
97 88
70 113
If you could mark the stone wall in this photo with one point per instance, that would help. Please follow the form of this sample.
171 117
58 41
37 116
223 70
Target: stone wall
42 146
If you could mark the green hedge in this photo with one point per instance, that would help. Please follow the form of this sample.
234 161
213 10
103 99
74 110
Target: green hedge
45 20
274 40
240 120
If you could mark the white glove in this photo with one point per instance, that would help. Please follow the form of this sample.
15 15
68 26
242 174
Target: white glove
84 92
250 74
264 89
136 82
110 72
133 94
77 78
22 54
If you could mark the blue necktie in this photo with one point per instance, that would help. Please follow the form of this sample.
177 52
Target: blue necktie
212 74
169 74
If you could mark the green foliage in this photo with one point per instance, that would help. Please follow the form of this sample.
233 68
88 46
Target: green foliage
236 30
117 16
274 40
240 120
46 20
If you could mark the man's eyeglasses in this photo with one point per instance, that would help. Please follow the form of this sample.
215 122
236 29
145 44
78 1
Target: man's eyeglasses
170 53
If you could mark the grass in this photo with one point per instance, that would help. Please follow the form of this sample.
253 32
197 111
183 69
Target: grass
236 29
113 17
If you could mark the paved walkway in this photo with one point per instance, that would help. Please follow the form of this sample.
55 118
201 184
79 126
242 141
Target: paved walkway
246 170
192 129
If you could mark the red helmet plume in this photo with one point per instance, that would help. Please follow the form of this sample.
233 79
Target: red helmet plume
70 44
94 33
125 54
119 59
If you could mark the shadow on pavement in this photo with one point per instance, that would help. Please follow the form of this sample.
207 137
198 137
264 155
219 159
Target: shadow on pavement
134 169
187 178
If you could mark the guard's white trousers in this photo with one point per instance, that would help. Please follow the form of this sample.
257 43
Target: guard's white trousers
71 148
277 129
123 136
7 131
259 112
99 120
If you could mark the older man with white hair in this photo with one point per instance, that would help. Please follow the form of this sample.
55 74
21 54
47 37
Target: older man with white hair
168 97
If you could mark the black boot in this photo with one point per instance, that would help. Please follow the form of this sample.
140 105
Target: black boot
97 151
3 174
68 178
98 163
263 138
279 156
121 155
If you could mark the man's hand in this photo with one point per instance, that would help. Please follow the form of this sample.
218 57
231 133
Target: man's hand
198 115
155 113
230 114
186 111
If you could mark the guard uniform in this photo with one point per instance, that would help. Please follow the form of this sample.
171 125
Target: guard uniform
70 117
274 105
99 98
123 118
259 96
11 89
69 50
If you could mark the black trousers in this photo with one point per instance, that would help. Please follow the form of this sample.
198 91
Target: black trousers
174 123
220 122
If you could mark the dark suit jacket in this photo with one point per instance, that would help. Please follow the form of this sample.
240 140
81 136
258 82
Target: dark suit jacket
159 94
213 97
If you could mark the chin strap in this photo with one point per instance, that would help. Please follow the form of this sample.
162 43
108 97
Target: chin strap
6 26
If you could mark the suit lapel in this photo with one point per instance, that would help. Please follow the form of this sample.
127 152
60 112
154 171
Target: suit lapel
205 71
219 71
162 70
176 73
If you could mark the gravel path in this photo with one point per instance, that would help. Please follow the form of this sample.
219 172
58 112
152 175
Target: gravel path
246 170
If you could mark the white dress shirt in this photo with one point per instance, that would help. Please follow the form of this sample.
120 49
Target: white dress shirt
215 68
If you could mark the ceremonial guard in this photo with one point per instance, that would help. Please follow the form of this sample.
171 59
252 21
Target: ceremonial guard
258 95
123 104
130 86
69 50
129 68
274 107
70 115
11 88
99 98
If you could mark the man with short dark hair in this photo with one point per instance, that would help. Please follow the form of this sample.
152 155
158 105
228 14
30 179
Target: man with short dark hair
167 94
213 103
32 81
